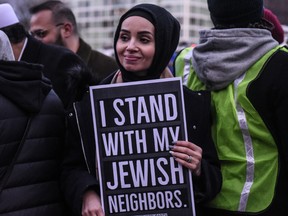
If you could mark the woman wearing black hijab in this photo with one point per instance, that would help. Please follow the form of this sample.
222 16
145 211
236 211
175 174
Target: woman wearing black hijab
166 38
145 39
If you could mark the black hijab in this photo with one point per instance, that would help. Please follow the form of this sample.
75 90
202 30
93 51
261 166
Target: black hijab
167 30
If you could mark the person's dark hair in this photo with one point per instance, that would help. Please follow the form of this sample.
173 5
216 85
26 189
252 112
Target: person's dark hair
277 32
16 33
60 12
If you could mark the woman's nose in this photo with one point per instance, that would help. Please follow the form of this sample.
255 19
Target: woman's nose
132 45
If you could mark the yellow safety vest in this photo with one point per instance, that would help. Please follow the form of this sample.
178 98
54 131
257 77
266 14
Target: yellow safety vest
246 149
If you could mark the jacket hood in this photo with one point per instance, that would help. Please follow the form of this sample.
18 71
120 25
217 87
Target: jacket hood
23 84
224 55
6 52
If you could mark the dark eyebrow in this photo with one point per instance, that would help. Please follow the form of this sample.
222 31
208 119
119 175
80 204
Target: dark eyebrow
141 32
123 30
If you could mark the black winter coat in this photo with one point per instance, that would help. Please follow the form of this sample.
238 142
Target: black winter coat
79 171
30 186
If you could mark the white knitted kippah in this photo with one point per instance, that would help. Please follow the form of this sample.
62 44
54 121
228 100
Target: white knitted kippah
6 52
8 16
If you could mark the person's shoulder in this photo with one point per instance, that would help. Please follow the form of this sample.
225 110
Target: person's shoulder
183 53
108 79
102 55
57 50
99 59
36 47
63 54
281 55
284 48
95 56
53 49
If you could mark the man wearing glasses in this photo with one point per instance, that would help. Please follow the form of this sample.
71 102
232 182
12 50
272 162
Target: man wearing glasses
43 34
53 22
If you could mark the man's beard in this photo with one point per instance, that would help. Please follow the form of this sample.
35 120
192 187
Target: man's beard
59 40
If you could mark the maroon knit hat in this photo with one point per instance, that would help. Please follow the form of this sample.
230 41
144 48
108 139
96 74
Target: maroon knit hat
277 31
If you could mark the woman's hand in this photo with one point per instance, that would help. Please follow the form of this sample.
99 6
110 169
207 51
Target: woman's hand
91 205
187 154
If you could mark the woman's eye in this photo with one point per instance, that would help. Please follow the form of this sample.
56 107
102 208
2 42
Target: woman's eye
124 37
145 40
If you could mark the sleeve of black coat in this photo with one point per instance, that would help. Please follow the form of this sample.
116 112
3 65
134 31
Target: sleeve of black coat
198 120
78 171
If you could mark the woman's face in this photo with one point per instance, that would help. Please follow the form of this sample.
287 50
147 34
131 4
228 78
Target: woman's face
135 46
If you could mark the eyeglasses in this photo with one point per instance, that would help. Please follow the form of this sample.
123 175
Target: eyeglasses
40 33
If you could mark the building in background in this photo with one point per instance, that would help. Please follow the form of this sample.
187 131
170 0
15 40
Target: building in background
98 19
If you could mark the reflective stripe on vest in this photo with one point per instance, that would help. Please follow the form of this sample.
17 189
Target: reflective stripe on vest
246 148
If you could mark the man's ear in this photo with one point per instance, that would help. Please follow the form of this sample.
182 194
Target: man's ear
67 30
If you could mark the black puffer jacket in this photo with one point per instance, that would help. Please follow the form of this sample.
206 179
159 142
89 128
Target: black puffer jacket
30 186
